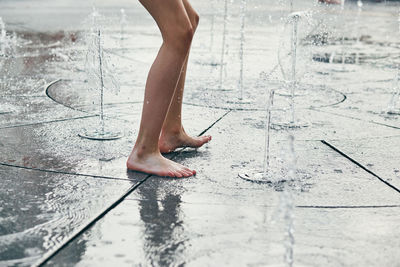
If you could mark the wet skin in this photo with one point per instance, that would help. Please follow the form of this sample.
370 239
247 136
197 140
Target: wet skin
161 129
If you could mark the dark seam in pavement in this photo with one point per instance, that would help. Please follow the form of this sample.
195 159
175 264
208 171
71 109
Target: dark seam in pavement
349 207
47 87
215 122
46 90
360 165
25 96
66 173
48 256
331 105
358 119
45 122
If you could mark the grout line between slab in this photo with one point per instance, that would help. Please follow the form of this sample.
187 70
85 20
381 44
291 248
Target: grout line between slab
65 173
53 252
360 165
50 254
358 119
45 122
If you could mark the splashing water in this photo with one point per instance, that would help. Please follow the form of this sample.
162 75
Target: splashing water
222 61
290 56
343 34
357 27
123 22
3 33
287 204
288 207
99 77
295 21
393 108
212 27
267 175
270 104
3 37
243 8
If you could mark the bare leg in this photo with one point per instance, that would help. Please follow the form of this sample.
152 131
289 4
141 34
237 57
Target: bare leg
177 33
173 134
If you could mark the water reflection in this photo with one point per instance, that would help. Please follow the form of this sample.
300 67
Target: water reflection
164 234
39 210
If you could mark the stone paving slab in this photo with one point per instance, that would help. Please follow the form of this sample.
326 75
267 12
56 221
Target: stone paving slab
346 237
218 217
380 156
187 234
48 150
342 211
21 111
321 125
46 209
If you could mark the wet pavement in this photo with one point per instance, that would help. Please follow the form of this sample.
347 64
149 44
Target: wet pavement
67 201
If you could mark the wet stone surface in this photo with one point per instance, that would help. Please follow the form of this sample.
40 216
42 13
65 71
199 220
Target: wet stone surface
335 196
40 209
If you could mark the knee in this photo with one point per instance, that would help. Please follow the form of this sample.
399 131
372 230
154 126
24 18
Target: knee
181 39
195 21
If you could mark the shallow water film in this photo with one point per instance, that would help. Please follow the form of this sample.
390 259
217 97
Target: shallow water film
302 99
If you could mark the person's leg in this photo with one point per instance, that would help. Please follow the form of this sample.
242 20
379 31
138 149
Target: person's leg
173 134
177 33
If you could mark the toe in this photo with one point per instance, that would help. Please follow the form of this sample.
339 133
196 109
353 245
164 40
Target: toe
170 174
178 174
176 171
206 139
187 173
187 169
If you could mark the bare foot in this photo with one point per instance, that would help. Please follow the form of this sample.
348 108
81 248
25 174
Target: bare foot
170 141
156 164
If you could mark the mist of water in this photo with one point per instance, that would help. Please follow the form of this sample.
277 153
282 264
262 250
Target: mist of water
243 9
357 27
294 44
287 203
270 103
393 106
288 216
343 33
123 24
99 76
212 25
3 37
224 33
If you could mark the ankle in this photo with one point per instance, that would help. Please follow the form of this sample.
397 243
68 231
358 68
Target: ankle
142 151
172 131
